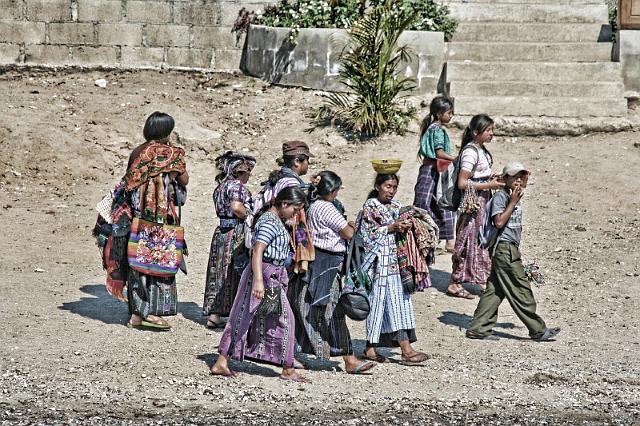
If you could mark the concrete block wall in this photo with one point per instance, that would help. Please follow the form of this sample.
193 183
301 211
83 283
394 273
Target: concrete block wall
312 61
628 46
128 33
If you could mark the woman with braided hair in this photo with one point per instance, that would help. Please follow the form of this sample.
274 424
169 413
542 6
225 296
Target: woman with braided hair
228 255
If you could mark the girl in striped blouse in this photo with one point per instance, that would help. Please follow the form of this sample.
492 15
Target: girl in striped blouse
261 325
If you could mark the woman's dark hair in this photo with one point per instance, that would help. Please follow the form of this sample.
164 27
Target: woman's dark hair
380 179
329 182
478 124
287 161
290 160
439 105
158 126
289 195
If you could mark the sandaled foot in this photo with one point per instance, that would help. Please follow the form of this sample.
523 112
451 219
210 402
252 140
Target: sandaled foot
361 368
222 372
376 358
157 325
461 293
415 359
295 377
212 325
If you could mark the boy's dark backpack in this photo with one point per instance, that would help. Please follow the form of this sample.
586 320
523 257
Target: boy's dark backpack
488 234
448 195
355 284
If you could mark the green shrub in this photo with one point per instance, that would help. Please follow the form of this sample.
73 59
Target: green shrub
370 69
430 16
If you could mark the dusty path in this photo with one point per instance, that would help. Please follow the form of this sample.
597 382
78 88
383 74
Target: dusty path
66 355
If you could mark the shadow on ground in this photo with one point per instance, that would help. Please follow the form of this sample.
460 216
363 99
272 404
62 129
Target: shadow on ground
99 305
463 321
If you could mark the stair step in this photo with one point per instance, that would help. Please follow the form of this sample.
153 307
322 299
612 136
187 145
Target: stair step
533 71
540 106
589 89
519 12
528 32
540 52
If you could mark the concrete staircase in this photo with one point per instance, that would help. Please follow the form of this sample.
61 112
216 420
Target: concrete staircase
533 58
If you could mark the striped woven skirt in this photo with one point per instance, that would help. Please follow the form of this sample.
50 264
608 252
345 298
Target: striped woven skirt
391 318
227 260
425 198
268 338
321 330
471 263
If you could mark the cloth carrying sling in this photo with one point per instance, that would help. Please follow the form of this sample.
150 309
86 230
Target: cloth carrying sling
355 284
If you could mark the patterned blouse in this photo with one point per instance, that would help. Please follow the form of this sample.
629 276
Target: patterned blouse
381 252
271 231
227 191
326 222
434 138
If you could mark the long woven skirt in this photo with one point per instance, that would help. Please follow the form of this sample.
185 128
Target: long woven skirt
321 329
267 338
391 318
148 295
471 263
225 266
425 198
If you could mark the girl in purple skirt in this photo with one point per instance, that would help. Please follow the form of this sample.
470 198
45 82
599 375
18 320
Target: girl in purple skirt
261 324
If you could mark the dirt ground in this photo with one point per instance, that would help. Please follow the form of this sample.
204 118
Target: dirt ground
67 357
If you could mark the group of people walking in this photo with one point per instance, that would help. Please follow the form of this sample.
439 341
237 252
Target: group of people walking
277 257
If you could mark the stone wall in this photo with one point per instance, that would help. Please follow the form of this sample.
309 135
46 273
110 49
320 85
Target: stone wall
312 60
127 33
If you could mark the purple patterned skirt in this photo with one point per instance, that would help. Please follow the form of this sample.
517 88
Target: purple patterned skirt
471 263
425 198
247 335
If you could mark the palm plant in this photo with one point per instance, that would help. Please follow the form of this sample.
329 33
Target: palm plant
370 70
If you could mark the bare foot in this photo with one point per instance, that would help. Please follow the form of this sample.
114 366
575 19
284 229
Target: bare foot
222 371
290 374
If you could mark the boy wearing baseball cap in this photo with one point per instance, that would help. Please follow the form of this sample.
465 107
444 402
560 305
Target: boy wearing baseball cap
508 279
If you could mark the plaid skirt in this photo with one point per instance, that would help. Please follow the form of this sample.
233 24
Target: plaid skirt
471 263
425 198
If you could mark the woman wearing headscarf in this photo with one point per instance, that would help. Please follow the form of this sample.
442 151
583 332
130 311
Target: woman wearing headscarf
228 255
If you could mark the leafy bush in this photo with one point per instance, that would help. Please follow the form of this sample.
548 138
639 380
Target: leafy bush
297 14
311 14
370 69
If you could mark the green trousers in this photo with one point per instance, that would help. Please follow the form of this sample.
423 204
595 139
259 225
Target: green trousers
507 280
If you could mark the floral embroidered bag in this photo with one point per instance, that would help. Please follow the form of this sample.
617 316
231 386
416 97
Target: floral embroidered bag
154 248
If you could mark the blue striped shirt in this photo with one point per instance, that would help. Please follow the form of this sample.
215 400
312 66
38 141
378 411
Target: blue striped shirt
271 231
